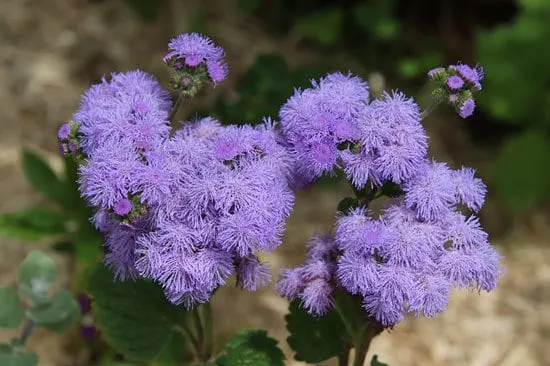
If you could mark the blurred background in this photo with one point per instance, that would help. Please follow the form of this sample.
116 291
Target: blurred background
51 51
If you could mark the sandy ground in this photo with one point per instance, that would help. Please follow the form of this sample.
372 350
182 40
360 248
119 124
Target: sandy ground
51 51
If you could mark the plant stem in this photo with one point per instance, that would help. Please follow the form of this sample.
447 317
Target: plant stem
27 331
343 358
208 329
363 342
175 108
431 107
200 334
187 333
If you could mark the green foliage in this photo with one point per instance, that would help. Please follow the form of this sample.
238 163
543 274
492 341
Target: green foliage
251 347
315 339
147 10
323 26
263 89
56 315
36 276
347 204
34 223
516 58
391 189
11 313
15 354
374 362
376 18
133 316
521 174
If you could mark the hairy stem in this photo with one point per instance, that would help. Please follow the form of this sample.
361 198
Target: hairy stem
363 342
200 334
176 107
27 331
208 330
430 108
187 333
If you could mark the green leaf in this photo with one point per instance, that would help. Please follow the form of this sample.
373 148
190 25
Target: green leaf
31 224
57 315
347 204
391 189
11 312
15 355
174 352
521 175
87 245
377 19
375 362
41 176
251 347
36 276
248 6
148 10
315 339
134 316
324 26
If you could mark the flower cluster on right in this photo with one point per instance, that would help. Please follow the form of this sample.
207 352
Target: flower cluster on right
428 240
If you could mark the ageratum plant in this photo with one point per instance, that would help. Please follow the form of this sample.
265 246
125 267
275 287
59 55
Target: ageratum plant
183 206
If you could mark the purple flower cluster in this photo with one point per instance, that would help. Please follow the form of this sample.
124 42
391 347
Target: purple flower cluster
458 83
192 50
332 125
409 257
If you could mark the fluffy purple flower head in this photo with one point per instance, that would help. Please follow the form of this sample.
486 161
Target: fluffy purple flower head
316 121
467 108
193 49
131 108
470 191
252 274
455 82
473 75
64 131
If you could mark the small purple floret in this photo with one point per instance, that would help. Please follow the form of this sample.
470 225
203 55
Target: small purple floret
455 82
467 108
123 207
64 131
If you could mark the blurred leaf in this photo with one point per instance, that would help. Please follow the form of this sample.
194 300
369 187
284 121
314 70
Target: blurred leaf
32 224
41 176
173 353
347 204
391 189
375 362
11 312
12 355
323 26
37 274
134 316
248 6
88 249
58 314
377 19
148 10
315 339
251 347
521 174
412 67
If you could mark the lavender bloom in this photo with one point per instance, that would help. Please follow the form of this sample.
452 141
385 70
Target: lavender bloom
466 108
469 190
455 82
252 274
64 131
122 207
131 108
473 75
193 49
316 121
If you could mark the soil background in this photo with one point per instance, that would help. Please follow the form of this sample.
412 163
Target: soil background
51 51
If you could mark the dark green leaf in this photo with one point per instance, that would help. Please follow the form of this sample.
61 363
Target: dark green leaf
87 244
32 224
521 174
315 339
57 315
11 312
323 26
251 347
347 204
391 189
36 276
377 19
12 355
41 176
148 10
375 362
174 353
133 316
248 6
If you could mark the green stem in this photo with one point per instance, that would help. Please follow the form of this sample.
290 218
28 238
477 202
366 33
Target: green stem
363 341
27 331
431 107
187 333
208 339
200 334
343 358
175 108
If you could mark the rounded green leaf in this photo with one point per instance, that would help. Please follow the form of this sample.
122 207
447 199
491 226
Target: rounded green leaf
12 355
11 312
315 339
323 26
251 347
34 223
522 170
133 316
36 276
57 315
